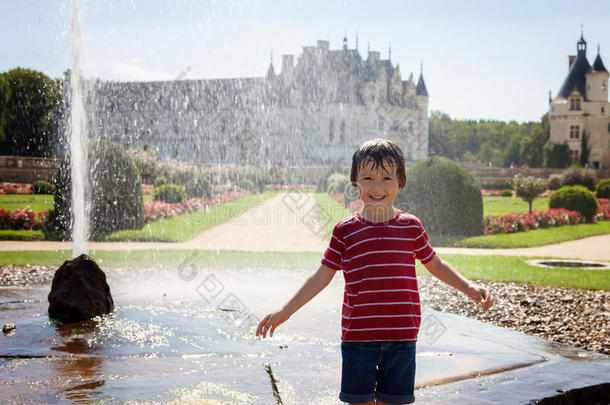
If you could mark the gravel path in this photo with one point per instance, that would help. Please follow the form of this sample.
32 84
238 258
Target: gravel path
578 318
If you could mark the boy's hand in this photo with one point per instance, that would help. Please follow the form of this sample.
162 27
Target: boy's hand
270 322
480 295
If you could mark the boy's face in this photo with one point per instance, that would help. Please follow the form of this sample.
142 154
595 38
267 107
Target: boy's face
378 187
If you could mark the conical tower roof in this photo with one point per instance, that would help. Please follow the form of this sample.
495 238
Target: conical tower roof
576 77
598 65
420 89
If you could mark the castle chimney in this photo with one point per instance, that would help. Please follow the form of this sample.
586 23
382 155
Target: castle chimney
571 59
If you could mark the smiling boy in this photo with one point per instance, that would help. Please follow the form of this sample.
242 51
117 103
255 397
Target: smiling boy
376 249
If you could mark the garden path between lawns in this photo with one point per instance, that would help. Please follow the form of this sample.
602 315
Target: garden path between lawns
288 223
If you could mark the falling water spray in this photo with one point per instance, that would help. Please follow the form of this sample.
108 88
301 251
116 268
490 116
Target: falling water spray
78 138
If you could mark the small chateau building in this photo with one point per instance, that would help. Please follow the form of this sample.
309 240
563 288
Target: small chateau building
581 108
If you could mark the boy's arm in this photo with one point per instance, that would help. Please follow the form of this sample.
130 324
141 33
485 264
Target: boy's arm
310 288
447 274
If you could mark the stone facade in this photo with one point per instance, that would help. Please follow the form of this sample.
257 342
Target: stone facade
315 112
581 106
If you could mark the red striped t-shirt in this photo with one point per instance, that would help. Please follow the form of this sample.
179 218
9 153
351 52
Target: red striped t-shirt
381 298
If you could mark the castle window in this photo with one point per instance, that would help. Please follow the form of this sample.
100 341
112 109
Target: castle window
574 156
574 131
411 126
603 110
342 136
331 131
575 104
381 123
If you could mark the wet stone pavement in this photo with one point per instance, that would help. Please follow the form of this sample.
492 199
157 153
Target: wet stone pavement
172 339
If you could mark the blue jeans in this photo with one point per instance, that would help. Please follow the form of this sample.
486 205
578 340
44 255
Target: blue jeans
384 370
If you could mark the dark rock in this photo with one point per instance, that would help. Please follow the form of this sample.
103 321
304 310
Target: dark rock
79 291
9 327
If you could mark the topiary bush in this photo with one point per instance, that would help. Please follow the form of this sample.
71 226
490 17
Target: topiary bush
444 196
506 193
246 184
198 187
160 181
577 198
579 177
170 193
603 188
115 193
43 187
554 183
528 188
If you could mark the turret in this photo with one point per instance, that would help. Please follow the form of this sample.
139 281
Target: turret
271 70
597 81
287 69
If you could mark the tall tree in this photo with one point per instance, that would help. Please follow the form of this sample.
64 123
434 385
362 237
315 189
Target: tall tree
5 95
585 151
31 127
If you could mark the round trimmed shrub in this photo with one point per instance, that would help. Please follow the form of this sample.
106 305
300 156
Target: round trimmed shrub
506 193
577 198
115 190
43 187
603 188
444 196
339 183
198 187
160 181
170 193
579 177
554 183
246 184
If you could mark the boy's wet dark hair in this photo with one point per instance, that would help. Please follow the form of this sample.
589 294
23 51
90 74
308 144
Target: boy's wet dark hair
380 152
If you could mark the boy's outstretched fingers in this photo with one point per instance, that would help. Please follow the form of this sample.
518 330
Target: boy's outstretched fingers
487 301
269 323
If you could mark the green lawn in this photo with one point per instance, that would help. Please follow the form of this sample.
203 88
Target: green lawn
9 234
537 237
185 227
330 211
507 205
493 268
36 202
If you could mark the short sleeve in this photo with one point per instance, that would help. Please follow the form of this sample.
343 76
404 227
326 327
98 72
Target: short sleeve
423 251
334 251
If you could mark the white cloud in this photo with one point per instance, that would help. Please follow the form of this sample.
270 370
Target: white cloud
135 70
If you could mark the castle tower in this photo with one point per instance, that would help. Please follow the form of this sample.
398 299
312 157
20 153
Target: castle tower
581 108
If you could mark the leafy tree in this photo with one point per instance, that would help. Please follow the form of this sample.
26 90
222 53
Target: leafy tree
556 155
532 146
528 188
584 149
500 143
5 95
31 126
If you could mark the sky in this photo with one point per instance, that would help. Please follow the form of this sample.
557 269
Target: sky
481 59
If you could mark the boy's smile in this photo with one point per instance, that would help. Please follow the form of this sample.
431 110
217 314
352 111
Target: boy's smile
377 187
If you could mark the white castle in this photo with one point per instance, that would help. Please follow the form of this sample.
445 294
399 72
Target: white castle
314 113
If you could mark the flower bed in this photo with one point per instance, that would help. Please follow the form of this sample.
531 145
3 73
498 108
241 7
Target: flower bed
353 206
15 188
521 222
158 210
603 209
288 187
22 219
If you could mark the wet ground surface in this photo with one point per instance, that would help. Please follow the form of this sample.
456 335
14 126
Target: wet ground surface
186 338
